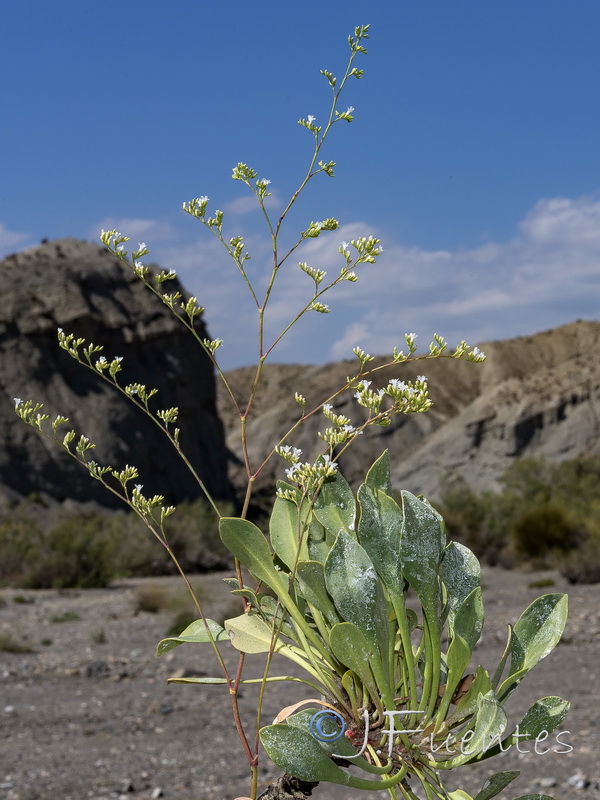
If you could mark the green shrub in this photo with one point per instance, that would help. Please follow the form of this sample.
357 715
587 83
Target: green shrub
10 645
75 553
583 564
542 531
150 599
86 550
545 515
65 616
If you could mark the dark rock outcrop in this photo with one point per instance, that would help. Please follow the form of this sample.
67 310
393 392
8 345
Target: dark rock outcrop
84 289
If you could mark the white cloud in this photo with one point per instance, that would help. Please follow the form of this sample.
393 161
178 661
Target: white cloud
152 229
247 204
546 275
11 241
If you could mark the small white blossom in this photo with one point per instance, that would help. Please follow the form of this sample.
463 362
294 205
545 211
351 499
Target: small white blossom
422 378
142 246
138 487
396 383
18 401
310 119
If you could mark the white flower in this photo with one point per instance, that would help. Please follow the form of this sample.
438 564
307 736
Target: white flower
142 246
60 330
422 378
310 119
286 451
345 245
18 401
350 109
396 383
138 487
327 407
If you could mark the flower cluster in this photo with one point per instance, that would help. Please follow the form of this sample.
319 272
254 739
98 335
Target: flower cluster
341 432
408 397
309 476
305 475
315 228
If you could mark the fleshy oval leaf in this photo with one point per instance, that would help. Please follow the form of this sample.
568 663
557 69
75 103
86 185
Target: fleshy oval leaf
195 633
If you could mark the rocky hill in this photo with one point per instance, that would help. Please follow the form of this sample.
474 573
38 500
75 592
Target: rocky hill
533 396
84 289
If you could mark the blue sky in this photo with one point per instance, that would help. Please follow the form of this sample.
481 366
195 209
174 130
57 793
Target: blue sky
474 155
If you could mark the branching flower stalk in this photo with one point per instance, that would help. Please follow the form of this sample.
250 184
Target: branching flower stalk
333 575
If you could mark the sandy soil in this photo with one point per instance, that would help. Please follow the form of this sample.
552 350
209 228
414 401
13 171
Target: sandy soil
88 713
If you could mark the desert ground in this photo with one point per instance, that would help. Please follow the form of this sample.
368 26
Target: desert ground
88 713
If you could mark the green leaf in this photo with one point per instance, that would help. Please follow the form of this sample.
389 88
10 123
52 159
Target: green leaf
474 740
544 716
310 576
288 531
378 476
250 634
495 783
461 573
334 506
468 621
502 663
298 753
196 632
459 794
536 634
379 531
421 549
205 681
320 541
467 705
465 632
340 746
249 545
270 679
349 646
356 591
534 797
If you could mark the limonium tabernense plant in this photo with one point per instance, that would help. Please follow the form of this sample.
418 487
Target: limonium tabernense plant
378 614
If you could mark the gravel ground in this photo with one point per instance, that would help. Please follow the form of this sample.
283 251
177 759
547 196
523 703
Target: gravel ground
88 713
